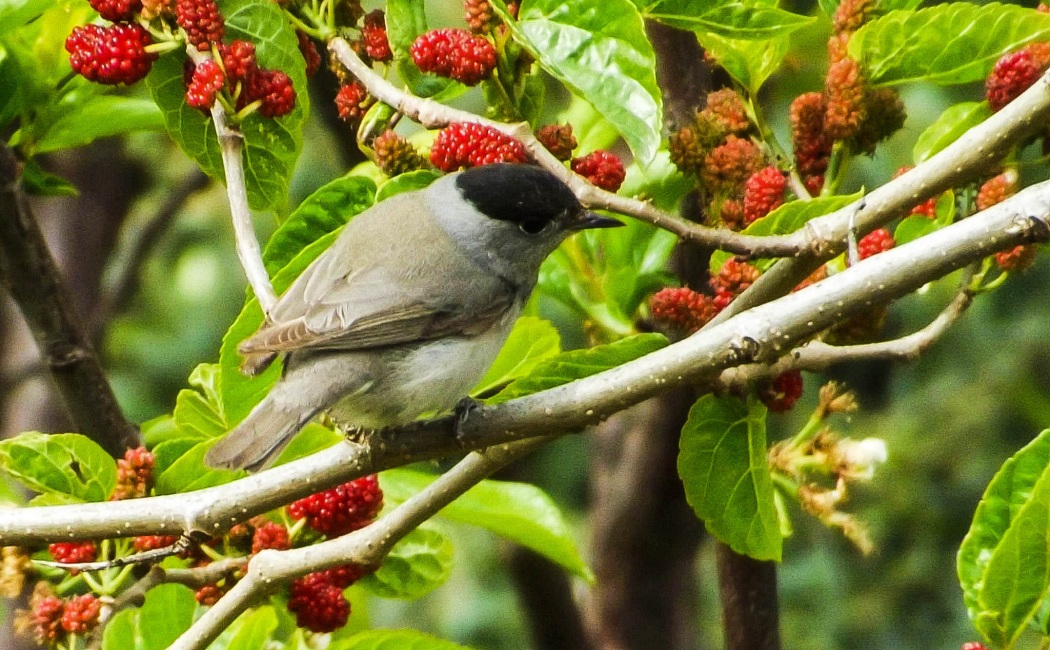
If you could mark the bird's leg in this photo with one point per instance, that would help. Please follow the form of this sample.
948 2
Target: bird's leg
463 409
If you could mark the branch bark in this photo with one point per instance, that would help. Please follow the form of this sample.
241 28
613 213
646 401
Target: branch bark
30 275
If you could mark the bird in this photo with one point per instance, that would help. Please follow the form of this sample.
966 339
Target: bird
404 313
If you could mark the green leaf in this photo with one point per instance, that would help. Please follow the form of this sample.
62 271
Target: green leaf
94 119
722 463
15 13
311 439
786 219
65 463
947 44
1005 497
121 631
252 631
740 20
520 512
531 341
417 565
271 145
602 54
407 182
1016 580
241 393
951 124
751 63
324 211
394 640
158 430
913 227
189 473
40 182
168 612
576 364
405 20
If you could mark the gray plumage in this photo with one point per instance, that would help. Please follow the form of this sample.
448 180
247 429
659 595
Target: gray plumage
407 309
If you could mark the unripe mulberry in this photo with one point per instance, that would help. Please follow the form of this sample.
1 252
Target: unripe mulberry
728 109
472 145
763 193
351 102
728 166
454 53
134 474
731 213
884 116
479 15
110 55
733 278
396 155
557 139
116 10
997 189
687 153
45 618
852 14
202 22
846 108
601 168
812 145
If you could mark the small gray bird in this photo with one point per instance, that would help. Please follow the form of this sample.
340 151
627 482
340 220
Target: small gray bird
408 308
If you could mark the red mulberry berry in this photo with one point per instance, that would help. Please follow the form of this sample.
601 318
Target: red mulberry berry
1013 74
81 614
309 52
812 144
208 595
134 471
681 311
454 53
350 102
201 21
734 277
207 80
997 189
728 166
116 10
345 575
473 145
342 509
480 16
1016 259
318 605
602 169
557 139
152 542
73 552
238 58
763 193
373 33
270 535
875 242
781 394
46 619
274 89
110 55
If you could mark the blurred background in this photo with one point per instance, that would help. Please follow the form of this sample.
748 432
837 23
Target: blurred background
147 251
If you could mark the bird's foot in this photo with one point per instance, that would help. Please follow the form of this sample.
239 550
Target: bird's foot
462 412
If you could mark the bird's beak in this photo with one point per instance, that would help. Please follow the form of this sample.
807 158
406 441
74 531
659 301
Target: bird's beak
587 219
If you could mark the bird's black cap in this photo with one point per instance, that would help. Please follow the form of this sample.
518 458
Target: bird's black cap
524 194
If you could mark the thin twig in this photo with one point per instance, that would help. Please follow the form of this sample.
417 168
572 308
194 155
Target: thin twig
195 578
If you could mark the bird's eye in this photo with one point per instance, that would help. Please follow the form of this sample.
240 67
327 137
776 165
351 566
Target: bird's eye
532 226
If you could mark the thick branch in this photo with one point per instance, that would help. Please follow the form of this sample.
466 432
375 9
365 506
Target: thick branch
29 273
759 335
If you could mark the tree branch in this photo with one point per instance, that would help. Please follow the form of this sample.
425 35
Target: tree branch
30 275
759 335
270 569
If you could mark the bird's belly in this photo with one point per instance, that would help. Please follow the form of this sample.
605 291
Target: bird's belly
431 377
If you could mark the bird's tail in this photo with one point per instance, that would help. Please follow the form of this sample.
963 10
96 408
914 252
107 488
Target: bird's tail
257 441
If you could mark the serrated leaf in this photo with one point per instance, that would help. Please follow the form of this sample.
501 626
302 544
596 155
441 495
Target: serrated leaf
93 119
722 463
67 464
601 52
751 63
1004 498
520 512
576 364
239 392
417 565
394 640
739 20
271 145
1016 580
786 219
532 341
947 128
168 609
947 44
324 211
